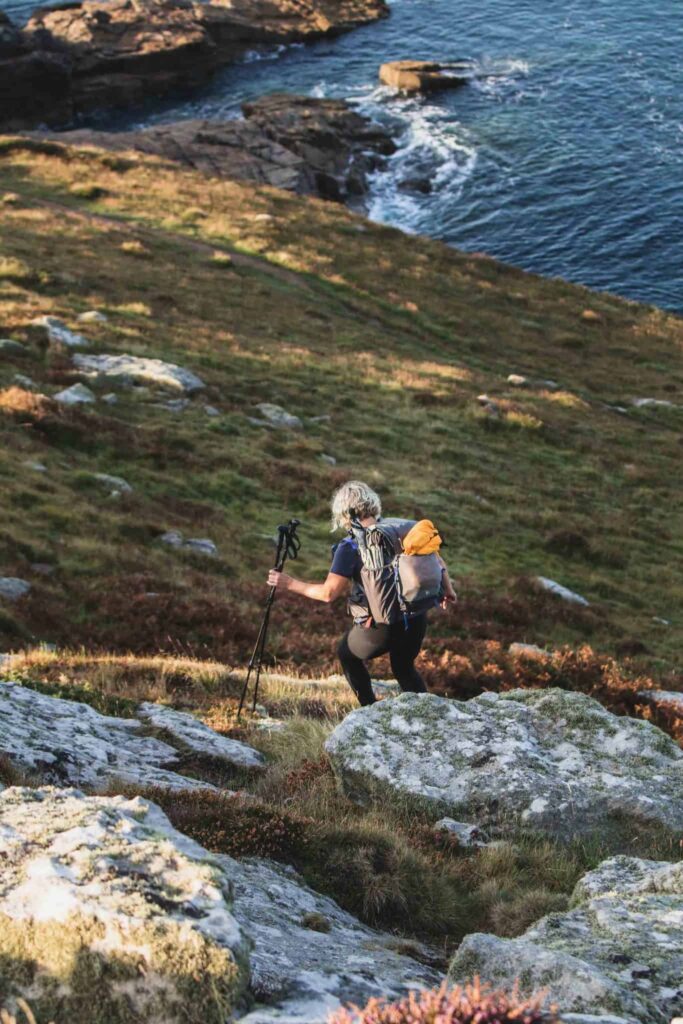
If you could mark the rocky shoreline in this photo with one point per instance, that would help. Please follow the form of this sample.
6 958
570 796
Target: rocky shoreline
78 57
310 146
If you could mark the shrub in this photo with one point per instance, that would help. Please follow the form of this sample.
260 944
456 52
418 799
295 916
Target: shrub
471 1004
241 828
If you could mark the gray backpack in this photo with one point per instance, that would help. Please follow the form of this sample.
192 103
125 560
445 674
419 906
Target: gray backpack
397 586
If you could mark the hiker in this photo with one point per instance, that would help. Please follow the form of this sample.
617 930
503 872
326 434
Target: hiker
389 618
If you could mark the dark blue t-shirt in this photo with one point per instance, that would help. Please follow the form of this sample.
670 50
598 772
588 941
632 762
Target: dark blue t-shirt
346 560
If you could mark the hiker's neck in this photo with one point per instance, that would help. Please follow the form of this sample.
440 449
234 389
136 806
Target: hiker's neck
368 521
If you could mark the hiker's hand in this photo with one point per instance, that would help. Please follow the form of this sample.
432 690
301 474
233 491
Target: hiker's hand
448 600
279 580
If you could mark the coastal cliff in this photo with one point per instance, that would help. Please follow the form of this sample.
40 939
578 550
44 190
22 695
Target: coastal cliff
78 57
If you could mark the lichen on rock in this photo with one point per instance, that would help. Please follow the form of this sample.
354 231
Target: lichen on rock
107 914
550 761
618 952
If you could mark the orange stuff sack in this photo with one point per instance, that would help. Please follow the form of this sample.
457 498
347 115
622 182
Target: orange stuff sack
422 539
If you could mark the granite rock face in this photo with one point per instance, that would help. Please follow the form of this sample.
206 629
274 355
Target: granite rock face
67 743
618 952
78 56
309 955
549 761
102 900
192 735
310 146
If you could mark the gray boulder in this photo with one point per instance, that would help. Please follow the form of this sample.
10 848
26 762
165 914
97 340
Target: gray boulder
58 334
667 698
77 394
114 484
126 370
67 743
550 761
276 416
102 899
199 545
13 589
10 348
170 931
619 951
570 596
309 955
191 734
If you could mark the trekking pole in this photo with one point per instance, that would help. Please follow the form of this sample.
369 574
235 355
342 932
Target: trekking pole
288 545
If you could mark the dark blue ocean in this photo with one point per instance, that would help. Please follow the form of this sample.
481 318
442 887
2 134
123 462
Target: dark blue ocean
565 154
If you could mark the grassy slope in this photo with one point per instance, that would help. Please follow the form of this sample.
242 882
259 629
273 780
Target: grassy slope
321 312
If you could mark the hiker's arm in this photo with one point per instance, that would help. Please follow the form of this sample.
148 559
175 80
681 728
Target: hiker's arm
334 586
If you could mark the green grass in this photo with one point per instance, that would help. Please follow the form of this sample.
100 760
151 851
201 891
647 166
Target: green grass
394 342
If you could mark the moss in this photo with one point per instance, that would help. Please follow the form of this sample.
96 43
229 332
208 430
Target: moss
75 972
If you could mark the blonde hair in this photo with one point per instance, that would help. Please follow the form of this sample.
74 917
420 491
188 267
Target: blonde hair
354 500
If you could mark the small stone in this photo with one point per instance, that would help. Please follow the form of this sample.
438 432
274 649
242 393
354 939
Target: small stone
660 621
13 589
37 467
8 347
77 394
42 568
11 199
202 546
176 404
211 410
468 836
22 381
92 316
110 398
670 698
116 483
645 403
325 418
278 417
518 650
562 592
590 316
173 538
58 333
328 459
517 381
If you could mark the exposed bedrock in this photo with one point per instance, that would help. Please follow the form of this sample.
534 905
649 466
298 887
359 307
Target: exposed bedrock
79 56
311 146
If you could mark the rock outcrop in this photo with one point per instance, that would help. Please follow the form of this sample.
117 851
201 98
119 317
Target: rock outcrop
550 761
78 56
102 899
126 370
309 955
310 146
424 76
619 951
67 743
192 735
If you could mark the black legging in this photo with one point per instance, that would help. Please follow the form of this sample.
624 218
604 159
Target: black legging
402 645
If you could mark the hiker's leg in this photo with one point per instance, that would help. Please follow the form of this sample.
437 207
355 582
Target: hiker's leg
358 646
404 649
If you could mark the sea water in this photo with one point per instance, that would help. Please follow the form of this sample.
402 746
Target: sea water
564 154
